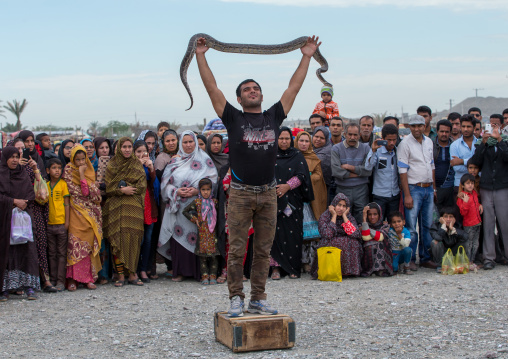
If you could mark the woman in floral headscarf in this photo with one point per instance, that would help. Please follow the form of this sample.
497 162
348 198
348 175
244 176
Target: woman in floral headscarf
179 187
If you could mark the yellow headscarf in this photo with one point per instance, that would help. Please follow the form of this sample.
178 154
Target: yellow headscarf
89 172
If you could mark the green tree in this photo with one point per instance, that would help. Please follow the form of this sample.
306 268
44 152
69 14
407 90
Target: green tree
116 129
174 125
9 127
93 128
2 111
16 108
378 118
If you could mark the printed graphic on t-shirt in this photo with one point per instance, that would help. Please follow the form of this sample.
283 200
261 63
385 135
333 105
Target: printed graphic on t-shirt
258 138
57 195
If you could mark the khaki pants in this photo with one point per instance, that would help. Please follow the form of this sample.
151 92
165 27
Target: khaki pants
261 209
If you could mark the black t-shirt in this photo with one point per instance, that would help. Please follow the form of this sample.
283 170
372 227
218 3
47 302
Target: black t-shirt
253 143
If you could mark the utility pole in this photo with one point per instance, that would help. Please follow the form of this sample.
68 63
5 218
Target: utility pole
451 104
476 91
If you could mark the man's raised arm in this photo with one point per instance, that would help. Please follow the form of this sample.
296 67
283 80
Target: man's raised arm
296 82
216 95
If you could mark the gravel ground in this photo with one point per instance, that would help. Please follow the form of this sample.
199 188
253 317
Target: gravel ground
421 316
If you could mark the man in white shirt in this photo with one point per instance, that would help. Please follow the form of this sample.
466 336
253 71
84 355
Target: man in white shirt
417 178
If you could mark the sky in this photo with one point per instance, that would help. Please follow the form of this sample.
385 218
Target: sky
81 61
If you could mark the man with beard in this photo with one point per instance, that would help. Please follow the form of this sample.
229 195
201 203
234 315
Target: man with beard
454 118
336 127
253 194
366 130
445 175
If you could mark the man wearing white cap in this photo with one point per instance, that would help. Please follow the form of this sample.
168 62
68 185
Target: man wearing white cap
417 178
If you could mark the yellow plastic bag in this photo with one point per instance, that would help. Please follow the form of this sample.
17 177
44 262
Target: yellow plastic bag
329 264
461 261
448 263
41 192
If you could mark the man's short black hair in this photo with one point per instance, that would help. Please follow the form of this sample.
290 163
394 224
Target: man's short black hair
443 123
505 111
448 210
53 161
391 118
498 116
239 88
315 115
366 116
389 130
475 109
476 122
471 161
394 214
162 124
424 109
337 118
454 116
467 118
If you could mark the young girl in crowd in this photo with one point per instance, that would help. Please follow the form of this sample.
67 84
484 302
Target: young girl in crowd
103 150
123 211
471 210
377 255
64 153
85 221
203 212
400 239
150 209
338 228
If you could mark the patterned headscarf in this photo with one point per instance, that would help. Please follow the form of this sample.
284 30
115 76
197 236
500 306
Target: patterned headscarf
184 171
94 160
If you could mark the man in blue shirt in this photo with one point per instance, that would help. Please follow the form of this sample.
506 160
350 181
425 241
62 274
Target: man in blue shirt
382 161
445 174
462 149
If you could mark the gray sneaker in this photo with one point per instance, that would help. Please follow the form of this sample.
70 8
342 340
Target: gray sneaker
261 307
236 307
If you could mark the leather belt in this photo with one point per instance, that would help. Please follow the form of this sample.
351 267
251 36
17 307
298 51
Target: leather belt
253 189
423 185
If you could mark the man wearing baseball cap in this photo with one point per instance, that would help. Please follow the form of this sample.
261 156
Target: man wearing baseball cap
417 178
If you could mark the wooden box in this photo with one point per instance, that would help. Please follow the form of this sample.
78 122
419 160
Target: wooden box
255 331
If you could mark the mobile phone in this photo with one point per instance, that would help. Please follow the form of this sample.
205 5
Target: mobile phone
382 142
488 127
26 154
122 184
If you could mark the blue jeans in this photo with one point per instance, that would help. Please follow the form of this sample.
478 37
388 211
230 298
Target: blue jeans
403 256
423 206
144 254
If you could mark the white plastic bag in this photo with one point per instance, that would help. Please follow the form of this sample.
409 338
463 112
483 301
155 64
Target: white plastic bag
21 227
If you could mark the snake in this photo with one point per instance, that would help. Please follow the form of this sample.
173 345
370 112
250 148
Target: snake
247 49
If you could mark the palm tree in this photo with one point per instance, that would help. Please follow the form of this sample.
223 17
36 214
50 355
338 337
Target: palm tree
16 108
2 111
378 118
93 128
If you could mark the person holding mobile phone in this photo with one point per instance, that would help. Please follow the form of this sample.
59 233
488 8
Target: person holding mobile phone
382 161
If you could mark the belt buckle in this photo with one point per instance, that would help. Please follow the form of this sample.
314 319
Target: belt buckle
257 189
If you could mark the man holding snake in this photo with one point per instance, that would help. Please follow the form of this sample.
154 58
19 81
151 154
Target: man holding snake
253 136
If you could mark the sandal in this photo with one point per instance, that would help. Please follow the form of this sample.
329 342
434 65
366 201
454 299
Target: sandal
153 276
306 268
103 281
30 294
49 289
177 279
222 279
60 287
4 296
119 283
72 287
275 275
204 280
168 275
213 280
245 279
137 282
91 286
293 276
